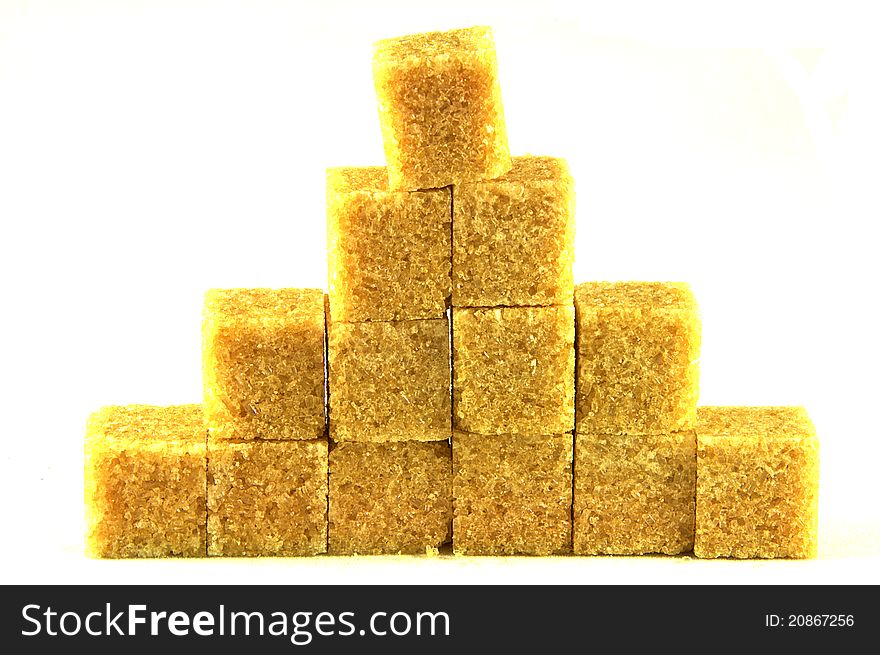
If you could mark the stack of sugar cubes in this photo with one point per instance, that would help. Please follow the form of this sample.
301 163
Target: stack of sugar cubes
476 395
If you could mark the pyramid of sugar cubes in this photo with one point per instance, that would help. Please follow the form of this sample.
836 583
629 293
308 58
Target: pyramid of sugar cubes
454 385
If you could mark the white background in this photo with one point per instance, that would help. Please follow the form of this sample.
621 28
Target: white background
150 150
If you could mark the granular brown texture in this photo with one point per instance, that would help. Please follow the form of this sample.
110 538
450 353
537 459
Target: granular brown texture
512 494
390 498
440 108
634 494
513 237
757 482
389 381
389 251
263 363
514 369
638 357
267 498
145 482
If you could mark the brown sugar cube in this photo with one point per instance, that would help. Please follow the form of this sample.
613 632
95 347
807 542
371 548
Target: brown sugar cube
389 251
757 483
267 498
390 498
440 108
263 363
638 357
513 369
513 237
145 482
389 381
512 494
634 495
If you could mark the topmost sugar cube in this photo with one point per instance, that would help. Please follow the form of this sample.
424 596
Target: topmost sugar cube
440 108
